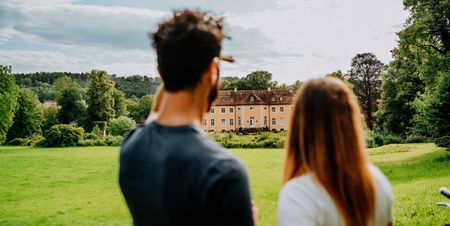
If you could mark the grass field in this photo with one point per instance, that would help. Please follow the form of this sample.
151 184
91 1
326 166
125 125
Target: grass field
78 186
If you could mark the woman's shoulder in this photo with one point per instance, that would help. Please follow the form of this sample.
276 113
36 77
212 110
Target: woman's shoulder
300 191
382 182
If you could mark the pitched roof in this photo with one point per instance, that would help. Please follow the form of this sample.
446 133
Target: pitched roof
254 97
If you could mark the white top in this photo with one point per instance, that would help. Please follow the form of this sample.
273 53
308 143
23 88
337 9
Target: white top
305 202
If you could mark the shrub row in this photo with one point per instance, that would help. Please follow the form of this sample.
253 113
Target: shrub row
376 139
249 140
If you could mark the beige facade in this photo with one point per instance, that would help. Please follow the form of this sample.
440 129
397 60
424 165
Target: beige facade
247 109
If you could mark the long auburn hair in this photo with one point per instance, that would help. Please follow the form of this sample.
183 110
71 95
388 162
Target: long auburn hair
325 138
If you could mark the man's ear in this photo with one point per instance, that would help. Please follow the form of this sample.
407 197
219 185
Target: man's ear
213 74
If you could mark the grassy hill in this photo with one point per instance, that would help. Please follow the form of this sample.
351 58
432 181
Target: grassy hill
78 186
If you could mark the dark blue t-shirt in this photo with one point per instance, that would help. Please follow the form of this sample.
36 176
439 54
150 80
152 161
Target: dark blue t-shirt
176 176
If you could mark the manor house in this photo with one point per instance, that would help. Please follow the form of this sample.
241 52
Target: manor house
250 109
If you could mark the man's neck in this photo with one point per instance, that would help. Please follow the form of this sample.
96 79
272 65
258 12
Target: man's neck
180 108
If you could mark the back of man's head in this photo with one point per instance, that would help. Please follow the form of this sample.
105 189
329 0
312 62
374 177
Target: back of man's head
185 45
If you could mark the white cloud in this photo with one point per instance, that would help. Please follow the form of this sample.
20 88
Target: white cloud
296 39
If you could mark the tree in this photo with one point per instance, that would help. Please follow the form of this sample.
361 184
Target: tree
401 85
257 80
428 26
120 126
120 106
72 109
50 116
365 75
100 98
8 100
65 82
260 80
29 116
440 107
139 111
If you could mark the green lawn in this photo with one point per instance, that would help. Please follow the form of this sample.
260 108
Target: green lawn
78 186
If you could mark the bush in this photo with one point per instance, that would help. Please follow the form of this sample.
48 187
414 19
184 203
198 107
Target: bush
101 141
114 140
249 140
92 142
443 141
120 126
63 135
27 141
413 138
90 136
374 139
392 139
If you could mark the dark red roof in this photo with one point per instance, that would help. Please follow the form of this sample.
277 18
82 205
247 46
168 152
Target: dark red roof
254 97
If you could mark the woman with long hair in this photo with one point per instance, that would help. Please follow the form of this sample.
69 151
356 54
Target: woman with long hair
328 179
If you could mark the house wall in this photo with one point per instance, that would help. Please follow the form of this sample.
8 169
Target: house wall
251 116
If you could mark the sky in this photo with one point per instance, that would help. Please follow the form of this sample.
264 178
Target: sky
292 39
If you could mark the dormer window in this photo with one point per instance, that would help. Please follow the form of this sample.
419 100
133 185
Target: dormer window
281 98
231 100
252 99
273 99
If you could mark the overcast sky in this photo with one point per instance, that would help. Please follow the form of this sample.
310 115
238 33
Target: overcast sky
293 39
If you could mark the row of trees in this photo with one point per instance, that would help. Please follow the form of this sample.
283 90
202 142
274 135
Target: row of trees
410 96
416 85
45 84
257 80
23 115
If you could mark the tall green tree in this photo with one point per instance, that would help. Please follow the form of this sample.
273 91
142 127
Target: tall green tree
65 82
29 116
401 85
120 107
100 99
8 100
139 111
365 75
50 116
260 80
72 108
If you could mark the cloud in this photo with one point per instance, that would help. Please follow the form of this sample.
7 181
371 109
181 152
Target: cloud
293 39
84 25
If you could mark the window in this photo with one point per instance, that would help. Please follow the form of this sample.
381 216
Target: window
252 99
212 122
251 108
252 121
231 110
231 122
281 121
265 120
204 122
265 108
273 99
239 121
273 109
212 110
222 110
274 121
239 108
223 122
281 109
